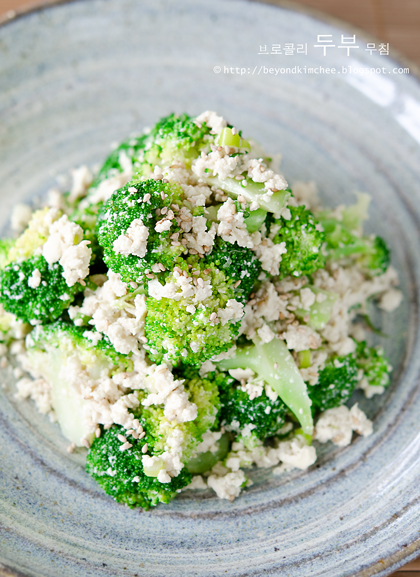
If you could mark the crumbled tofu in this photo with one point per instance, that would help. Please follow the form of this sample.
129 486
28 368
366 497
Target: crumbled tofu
197 484
134 241
35 279
229 486
390 300
337 425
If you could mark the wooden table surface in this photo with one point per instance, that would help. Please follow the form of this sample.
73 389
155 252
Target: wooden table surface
396 22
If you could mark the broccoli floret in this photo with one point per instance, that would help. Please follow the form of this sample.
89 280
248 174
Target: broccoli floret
189 329
374 364
337 381
140 202
126 476
30 288
345 240
65 356
260 416
175 138
121 474
46 301
273 363
303 242
5 246
128 150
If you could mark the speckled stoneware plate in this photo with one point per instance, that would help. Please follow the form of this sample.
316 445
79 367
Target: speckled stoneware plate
78 76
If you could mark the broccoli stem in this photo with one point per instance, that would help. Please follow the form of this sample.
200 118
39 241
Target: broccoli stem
320 312
275 365
252 191
255 219
203 462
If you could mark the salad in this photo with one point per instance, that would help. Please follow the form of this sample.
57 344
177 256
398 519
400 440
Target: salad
184 315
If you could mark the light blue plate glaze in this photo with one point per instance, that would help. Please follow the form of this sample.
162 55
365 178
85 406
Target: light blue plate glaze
75 78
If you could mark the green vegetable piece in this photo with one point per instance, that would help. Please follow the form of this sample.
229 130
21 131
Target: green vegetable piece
285 379
374 364
320 312
336 383
44 303
304 358
255 220
303 242
252 191
227 138
203 462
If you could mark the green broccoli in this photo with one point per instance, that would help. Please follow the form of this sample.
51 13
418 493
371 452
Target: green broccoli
57 352
345 240
303 242
374 364
337 381
131 477
274 364
196 325
261 417
30 287
31 302
140 205
114 163
175 138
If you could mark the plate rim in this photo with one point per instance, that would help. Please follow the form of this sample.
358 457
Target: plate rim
411 552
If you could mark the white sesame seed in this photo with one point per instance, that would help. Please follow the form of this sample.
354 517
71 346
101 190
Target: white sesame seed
97 432
136 479
162 195
130 431
136 423
126 446
141 435
200 282
135 434
238 282
122 438
150 275
132 189
276 365
164 210
144 448
146 197
175 243
86 443
71 448
107 427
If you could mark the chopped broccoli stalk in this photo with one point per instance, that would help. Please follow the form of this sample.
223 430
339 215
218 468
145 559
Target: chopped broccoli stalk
175 138
139 202
275 365
260 417
319 312
46 301
255 220
374 364
202 462
131 478
57 352
304 358
251 191
336 383
303 242
34 236
227 138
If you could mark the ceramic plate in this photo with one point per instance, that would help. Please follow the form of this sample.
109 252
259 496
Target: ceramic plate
78 76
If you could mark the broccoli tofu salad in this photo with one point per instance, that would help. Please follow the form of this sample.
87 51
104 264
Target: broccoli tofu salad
185 316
